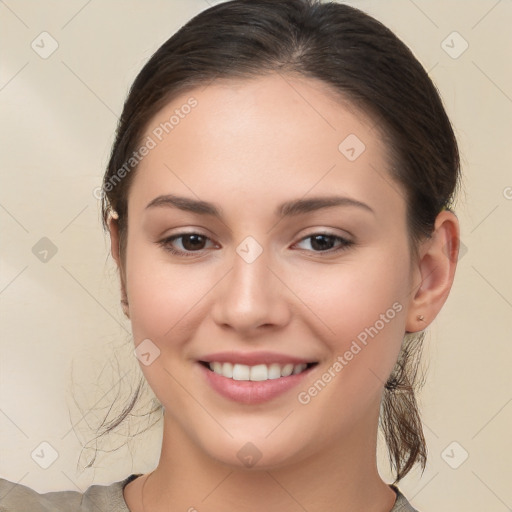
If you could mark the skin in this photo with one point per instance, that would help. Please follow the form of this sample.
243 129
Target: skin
248 147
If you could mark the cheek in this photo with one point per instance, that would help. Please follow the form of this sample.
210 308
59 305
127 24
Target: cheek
165 300
360 307
165 304
353 294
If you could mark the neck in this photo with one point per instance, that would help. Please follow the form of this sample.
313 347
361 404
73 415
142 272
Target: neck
342 477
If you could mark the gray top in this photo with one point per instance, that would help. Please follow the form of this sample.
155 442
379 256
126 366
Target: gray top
104 498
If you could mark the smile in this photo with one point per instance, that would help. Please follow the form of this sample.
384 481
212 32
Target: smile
257 373
253 379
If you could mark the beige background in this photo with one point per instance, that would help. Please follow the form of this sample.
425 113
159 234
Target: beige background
58 119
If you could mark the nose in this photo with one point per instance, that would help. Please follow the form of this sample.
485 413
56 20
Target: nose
251 299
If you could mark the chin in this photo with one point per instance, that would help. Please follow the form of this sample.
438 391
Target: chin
255 452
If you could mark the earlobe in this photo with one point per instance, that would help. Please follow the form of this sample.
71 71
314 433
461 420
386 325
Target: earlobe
435 272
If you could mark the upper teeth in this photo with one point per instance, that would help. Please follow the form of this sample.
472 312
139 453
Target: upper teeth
258 372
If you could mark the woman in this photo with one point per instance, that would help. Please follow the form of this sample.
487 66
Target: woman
277 199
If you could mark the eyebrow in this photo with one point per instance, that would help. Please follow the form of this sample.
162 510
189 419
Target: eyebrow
287 209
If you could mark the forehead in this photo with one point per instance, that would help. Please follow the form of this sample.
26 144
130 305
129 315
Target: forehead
270 136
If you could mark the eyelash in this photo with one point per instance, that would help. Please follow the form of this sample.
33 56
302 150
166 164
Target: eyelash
166 243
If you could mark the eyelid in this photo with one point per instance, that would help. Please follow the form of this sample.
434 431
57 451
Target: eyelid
327 232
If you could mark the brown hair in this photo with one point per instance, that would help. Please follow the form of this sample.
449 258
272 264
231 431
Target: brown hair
357 57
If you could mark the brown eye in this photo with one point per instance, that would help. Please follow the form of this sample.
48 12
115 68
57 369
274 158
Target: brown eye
322 242
193 242
186 244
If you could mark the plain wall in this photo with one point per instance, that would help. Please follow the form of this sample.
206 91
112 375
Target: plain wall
58 119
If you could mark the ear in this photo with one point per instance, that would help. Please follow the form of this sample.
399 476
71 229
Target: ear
113 227
434 272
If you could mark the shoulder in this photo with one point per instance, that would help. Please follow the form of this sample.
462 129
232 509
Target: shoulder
401 503
107 498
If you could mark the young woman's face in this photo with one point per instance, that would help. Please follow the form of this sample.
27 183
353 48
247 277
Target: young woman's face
265 233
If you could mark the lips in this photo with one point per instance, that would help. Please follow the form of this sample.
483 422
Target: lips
253 378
